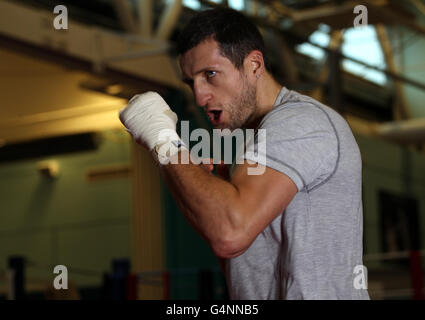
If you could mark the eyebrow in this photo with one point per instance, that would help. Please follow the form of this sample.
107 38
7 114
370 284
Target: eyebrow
189 81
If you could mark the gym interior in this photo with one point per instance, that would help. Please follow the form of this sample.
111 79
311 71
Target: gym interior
78 195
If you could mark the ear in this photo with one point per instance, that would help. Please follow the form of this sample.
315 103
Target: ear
254 65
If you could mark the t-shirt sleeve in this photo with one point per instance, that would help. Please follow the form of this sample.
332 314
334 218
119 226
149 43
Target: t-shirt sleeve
299 141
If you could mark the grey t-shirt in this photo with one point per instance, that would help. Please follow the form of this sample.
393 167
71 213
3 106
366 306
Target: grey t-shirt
311 250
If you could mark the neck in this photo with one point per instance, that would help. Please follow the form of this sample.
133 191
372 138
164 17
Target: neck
267 91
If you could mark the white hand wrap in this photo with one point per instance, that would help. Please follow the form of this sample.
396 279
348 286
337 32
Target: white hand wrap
152 124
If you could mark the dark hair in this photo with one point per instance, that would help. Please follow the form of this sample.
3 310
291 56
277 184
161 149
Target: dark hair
235 34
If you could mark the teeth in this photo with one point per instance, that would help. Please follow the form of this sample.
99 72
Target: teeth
214 115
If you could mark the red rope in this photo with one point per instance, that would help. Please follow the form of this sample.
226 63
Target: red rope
166 285
416 275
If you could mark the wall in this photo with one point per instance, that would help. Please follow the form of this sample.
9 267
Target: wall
69 220
409 48
383 164
186 252
84 225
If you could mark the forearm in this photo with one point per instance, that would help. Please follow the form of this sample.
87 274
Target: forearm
209 203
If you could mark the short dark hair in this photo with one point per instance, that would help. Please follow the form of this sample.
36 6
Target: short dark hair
235 34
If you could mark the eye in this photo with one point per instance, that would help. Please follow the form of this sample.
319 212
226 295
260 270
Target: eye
210 73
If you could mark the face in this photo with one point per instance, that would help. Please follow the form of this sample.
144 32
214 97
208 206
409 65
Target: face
223 91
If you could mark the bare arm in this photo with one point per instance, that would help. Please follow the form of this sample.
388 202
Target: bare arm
228 214
206 201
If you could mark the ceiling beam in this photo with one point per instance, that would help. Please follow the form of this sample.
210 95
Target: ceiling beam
169 19
419 5
296 35
145 17
400 107
323 11
387 14
334 44
127 20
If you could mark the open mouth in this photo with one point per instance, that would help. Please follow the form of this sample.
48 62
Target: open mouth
215 116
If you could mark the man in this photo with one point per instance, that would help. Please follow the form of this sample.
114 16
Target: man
292 232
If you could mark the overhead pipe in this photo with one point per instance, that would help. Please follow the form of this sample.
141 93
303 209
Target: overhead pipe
407 131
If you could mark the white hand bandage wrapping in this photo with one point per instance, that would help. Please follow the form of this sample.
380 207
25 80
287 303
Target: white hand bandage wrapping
152 124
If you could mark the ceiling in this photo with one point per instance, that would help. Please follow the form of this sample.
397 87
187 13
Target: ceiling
32 88
29 85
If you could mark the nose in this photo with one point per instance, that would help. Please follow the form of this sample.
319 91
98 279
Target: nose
202 94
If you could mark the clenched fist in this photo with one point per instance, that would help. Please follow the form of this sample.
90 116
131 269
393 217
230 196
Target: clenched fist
152 124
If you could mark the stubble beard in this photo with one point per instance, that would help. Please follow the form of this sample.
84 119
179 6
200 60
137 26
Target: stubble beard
242 107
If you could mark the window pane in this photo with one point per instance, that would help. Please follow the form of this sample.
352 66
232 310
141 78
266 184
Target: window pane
193 4
319 37
362 44
237 4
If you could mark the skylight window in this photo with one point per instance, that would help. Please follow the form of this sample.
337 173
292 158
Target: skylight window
193 4
359 43
237 4
196 5
320 37
362 44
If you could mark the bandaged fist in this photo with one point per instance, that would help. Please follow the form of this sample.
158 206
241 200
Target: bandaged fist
152 124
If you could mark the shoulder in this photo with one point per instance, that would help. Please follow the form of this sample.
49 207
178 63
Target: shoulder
292 105
298 118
